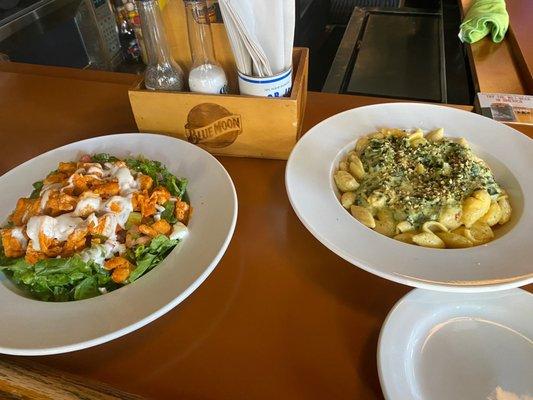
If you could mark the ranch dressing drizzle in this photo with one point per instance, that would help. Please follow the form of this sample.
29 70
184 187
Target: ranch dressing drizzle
19 236
100 252
123 208
113 212
55 228
88 204
45 194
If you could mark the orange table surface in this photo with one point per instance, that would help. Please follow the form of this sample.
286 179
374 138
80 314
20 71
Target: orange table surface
280 317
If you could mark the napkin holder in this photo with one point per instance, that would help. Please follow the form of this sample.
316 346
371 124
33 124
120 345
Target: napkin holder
233 125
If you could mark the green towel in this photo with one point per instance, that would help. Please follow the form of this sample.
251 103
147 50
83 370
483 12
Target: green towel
484 17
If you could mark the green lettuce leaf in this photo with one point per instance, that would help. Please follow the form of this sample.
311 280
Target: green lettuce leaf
147 257
160 175
168 212
4 260
57 279
103 158
86 289
65 279
37 186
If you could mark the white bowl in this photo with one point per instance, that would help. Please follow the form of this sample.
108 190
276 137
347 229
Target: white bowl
32 327
443 346
502 263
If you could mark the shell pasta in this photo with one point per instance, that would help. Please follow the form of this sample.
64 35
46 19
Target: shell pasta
422 188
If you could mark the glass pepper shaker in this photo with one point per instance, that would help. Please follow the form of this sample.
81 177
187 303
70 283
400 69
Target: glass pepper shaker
206 75
162 72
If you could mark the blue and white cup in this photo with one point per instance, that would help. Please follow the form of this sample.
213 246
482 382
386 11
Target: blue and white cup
270 86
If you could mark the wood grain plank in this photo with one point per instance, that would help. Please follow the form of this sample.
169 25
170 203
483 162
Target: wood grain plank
25 380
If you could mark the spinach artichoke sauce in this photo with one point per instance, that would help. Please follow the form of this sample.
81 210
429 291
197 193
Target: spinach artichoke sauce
427 190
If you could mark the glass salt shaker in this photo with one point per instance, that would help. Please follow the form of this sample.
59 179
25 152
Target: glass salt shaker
162 72
206 75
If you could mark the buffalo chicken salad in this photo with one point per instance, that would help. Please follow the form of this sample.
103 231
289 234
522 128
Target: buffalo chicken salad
92 226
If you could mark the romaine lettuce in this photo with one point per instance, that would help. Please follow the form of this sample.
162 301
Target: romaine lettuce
160 175
147 257
57 279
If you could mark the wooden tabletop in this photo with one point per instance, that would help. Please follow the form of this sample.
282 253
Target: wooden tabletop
280 317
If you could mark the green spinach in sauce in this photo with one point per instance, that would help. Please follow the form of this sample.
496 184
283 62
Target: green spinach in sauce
417 182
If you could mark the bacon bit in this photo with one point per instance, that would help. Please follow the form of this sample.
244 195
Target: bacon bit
86 158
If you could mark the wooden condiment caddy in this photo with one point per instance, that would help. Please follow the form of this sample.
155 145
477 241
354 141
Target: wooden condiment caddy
232 124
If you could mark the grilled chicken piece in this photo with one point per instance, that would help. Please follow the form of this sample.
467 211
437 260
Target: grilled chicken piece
25 209
55 177
75 242
14 242
162 227
32 255
145 182
182 212
67 167
121 268
106 189
59 203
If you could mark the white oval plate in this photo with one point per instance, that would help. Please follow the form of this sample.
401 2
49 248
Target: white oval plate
31 327
503 263
442 346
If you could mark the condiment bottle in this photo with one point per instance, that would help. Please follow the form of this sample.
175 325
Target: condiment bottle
162 72
134 20
206 75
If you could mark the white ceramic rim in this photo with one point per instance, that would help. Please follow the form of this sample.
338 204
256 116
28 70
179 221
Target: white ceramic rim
384 382
323 135
170 305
